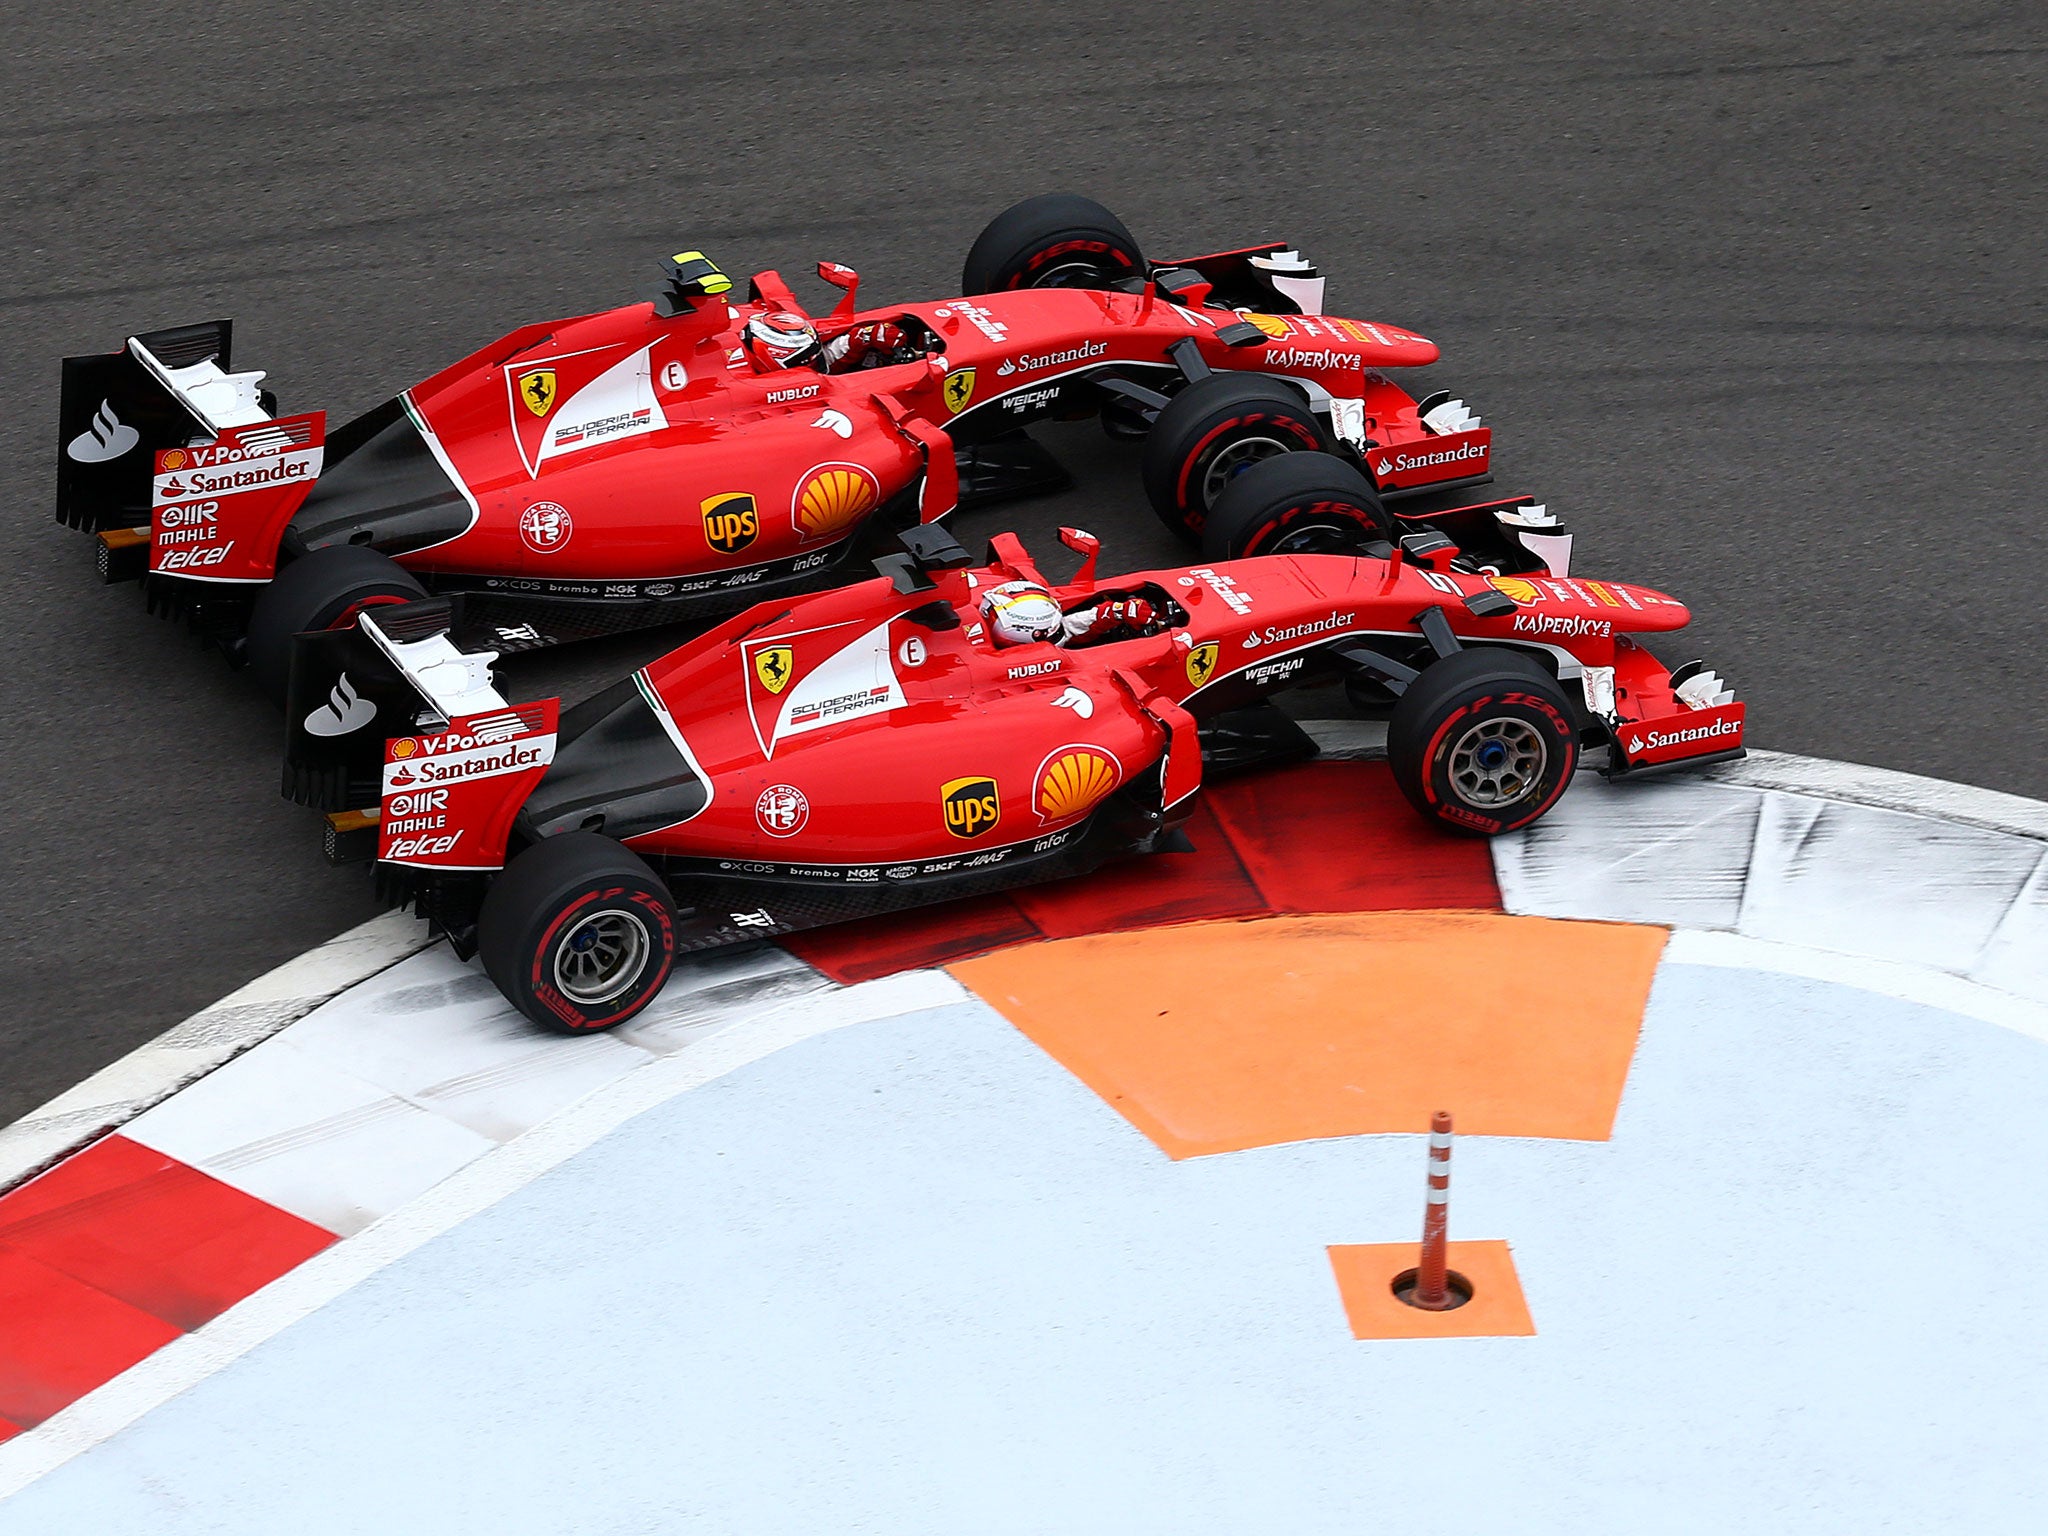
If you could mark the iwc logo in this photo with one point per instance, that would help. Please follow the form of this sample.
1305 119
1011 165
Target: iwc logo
972 806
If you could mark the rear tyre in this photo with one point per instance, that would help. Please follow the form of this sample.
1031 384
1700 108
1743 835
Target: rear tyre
1296 504
1213 431
1054 241
322 589
1483 742
578 933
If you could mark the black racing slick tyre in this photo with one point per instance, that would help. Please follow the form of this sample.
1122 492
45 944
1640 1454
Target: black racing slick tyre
1296 504
1483 742
322 589
578 933
1054 241
1213 431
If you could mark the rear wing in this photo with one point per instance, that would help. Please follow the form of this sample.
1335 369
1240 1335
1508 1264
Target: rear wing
177 461
389 713
163 389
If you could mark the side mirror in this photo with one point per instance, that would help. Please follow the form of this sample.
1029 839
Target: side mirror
1087 546
847 281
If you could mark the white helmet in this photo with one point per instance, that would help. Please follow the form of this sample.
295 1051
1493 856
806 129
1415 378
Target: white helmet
1020 613
781 340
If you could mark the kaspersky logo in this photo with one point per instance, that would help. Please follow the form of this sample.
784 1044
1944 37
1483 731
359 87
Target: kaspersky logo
971 806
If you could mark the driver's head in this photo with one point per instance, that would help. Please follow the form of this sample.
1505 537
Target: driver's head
1020 613
781 340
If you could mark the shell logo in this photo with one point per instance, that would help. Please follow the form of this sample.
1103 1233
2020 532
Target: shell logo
1272 325
1516 587
833 497
172 458
405 746
1073 781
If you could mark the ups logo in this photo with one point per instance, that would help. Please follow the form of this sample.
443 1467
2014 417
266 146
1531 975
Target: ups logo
730 522
973 806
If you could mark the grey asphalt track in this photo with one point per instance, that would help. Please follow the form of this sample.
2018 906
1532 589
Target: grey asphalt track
1752 293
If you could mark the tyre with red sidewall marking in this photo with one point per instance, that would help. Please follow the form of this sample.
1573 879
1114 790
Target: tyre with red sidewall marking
1296 504
578 933
322 589
1483 742
1054 241
1215 430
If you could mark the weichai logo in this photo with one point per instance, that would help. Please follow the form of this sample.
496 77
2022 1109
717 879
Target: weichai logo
731 522
972 806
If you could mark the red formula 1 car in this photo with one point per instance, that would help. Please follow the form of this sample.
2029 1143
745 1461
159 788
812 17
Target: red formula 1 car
685 457
835 755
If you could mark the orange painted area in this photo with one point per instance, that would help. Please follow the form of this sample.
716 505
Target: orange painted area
1214 1037
1365 1279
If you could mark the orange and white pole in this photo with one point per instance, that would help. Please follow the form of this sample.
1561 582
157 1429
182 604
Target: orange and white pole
1432 1286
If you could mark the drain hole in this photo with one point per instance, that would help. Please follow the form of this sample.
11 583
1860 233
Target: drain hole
1457 1290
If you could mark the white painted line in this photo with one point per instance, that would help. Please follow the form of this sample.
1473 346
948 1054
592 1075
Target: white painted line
1888 790
1887 978
380 1094
187 1361
151 1073
1895 884
1660 851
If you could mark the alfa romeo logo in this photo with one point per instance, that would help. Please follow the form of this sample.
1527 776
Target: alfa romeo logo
545 526
782 810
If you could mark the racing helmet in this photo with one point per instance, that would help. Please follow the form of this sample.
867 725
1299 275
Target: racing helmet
781 340
1021 613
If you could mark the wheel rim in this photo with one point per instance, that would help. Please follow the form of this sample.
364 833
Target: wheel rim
1321 539
1498 762
601 957
1233 459
1070 274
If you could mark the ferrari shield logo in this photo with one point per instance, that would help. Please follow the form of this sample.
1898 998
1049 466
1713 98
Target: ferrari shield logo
537 390
1201 662
772 666
958 389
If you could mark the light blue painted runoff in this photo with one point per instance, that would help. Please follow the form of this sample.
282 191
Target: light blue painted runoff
911 1277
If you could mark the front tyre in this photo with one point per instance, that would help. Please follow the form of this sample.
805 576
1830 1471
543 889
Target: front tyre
1213 431
578 933
1296 504
1054 241
322 589
1483 742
